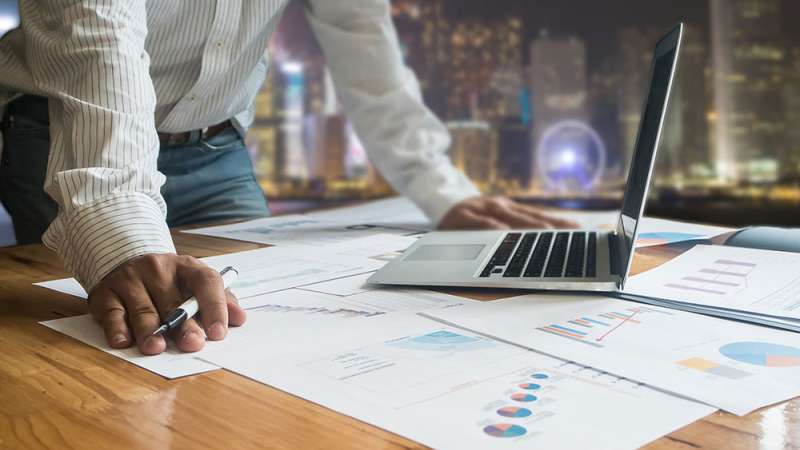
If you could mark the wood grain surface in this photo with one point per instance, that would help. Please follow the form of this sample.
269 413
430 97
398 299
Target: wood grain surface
57 393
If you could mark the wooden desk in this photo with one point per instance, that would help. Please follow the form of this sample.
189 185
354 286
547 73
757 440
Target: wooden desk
58 393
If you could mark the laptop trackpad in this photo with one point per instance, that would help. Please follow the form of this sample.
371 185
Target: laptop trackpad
452 252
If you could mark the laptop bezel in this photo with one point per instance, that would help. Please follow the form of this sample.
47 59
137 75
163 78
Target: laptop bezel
671 41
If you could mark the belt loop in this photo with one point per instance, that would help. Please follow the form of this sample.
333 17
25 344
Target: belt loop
195 136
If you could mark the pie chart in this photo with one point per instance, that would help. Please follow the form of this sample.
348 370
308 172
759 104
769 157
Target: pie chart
505 430
539 376
523 397
762 354
530 386
514 411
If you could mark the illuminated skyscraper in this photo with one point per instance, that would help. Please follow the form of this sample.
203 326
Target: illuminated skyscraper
474 151
790 164
558 81
635 55
686 142
479 50
424 36
749 60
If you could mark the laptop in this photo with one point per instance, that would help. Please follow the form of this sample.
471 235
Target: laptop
569 260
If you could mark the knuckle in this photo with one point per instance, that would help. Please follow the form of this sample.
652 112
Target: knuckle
187 260
143 312
207 275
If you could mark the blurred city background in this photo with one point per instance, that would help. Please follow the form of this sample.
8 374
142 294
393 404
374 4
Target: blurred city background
543 100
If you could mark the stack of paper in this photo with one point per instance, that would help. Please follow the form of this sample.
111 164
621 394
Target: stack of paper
447 388
758 286
733 366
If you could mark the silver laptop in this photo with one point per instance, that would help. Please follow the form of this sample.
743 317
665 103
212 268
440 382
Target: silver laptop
573 260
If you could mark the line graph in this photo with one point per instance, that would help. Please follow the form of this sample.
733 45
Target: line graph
592 329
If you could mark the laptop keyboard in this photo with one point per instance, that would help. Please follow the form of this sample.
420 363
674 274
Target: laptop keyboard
548 254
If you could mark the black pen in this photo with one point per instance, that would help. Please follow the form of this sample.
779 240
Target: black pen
189 308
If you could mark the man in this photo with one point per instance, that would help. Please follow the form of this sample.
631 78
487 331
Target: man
136 110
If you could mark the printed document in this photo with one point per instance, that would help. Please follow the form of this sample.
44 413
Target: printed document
733 366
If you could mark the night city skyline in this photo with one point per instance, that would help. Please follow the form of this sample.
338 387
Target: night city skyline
543 99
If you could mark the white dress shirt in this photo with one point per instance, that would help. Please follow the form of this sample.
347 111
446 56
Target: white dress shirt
118 70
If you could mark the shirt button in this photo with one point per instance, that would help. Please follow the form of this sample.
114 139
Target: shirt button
192 98
220 44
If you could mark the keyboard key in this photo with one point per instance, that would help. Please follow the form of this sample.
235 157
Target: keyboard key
555 266
591 256
502 253
576 252
613 249
517 262
539 255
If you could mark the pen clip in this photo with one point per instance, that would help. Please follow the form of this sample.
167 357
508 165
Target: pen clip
228 269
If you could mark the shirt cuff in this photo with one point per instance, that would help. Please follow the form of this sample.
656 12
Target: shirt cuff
437 191
98 237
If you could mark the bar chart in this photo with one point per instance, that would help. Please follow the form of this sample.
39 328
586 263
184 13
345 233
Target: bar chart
723 277
593 329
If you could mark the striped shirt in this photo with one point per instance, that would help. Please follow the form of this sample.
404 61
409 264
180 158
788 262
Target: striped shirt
118 70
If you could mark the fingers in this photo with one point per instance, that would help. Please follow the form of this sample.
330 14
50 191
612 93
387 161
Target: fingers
142 314
236 314
505 210
206 285
108 310
189 337
554 221
473 220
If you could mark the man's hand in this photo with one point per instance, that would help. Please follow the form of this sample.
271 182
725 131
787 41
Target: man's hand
130 301
498 213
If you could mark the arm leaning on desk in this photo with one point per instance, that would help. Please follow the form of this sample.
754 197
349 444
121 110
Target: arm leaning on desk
56 392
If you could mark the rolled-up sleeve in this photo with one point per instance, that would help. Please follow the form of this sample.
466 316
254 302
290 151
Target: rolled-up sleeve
89 58
382 98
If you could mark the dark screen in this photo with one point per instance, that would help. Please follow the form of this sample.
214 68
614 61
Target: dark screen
646 143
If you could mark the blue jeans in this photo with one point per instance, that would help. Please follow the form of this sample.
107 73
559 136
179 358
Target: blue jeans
210 180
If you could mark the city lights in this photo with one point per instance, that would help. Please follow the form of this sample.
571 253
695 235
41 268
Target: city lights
571 157
555 114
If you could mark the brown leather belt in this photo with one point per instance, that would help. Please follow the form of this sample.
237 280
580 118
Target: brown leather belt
194 136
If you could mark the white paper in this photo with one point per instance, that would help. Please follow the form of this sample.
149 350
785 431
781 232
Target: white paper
366 304
65 285
297 230
680 352
344 286
170 364
273 269
269 317
394 212
760 281
447 388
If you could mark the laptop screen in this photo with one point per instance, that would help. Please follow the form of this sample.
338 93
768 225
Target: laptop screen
647 141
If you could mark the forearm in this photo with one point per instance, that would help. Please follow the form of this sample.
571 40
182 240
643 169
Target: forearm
88 57
382 98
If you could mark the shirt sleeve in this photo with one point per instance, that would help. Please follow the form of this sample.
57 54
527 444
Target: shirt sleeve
382 98
88 57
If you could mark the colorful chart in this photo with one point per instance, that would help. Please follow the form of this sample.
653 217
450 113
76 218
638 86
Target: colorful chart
666 237
523 397
762 354
514 411
505 430
444 341
540 376
530 386
713 368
